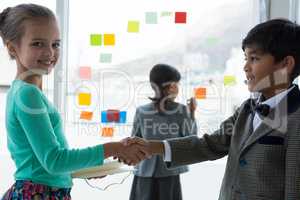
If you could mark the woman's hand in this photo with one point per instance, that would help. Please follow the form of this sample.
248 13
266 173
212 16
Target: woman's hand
192 105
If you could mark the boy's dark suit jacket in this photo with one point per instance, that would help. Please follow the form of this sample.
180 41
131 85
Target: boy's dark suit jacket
261 165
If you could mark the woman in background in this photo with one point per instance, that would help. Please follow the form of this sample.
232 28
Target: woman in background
161 119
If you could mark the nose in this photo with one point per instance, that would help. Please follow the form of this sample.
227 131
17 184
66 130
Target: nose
49 51
246 66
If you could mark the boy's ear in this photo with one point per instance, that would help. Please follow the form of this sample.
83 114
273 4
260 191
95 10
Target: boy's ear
289 64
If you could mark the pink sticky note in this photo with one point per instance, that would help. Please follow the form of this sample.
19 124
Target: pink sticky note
85 72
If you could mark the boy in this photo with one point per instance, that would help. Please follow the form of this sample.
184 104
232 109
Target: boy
262 138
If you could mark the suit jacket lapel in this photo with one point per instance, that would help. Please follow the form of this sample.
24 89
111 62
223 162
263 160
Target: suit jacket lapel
277 118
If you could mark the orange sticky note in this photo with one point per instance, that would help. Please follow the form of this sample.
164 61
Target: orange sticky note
200 93
86 115
84 99
107 132
85 73
109 39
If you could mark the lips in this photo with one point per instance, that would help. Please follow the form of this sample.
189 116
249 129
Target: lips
46 62
250 78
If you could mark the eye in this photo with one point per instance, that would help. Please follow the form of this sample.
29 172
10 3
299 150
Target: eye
56 45
254 58
38 44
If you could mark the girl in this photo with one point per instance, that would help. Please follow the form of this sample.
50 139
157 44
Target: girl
34 128
161 119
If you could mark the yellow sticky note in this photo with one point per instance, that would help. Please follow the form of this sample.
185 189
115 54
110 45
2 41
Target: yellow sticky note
107 132
109 39
229 80
84 99
133 26
86 115
200 93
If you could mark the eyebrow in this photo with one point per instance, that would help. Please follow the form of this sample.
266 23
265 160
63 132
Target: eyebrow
39 39
254 51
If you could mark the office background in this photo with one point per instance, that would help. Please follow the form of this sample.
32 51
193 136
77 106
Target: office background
107 51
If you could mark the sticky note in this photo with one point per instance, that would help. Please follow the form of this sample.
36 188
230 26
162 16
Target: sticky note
165 14
123 115
107 132
84 99
114 116
229 80
180 17
86 115
85 73
109 39
151 17
105 57
133 26
96 39
200 93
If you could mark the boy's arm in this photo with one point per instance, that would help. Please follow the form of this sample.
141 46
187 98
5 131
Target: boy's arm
191 149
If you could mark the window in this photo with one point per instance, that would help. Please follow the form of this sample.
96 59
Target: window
114 45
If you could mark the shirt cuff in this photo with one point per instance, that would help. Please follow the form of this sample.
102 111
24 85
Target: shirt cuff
168 153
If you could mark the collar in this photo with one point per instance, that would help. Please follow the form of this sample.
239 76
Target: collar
273 101
293 100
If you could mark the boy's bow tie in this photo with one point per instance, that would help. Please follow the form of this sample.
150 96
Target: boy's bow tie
262 109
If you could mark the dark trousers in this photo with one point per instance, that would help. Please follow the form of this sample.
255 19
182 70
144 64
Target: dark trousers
156 188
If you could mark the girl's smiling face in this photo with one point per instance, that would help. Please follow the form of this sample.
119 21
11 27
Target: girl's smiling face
39 48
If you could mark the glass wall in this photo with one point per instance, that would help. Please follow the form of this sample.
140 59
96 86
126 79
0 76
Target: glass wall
112 47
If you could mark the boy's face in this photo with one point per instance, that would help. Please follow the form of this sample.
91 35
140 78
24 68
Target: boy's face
262 72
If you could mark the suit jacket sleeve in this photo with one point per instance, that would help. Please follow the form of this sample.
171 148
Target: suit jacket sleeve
192 149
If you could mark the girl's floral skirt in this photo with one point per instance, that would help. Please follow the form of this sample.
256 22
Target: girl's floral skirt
26 190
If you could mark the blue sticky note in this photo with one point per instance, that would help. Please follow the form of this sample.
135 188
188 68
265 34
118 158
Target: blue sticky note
122 119
123 115
103 117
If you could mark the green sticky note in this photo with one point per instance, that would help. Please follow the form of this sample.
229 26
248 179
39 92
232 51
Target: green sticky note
105 57
166 13
229 80
133 26
151 17
96 39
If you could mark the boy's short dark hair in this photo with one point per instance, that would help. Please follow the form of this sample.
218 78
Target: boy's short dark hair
279 37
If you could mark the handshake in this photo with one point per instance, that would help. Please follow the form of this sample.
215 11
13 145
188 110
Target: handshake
133 150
